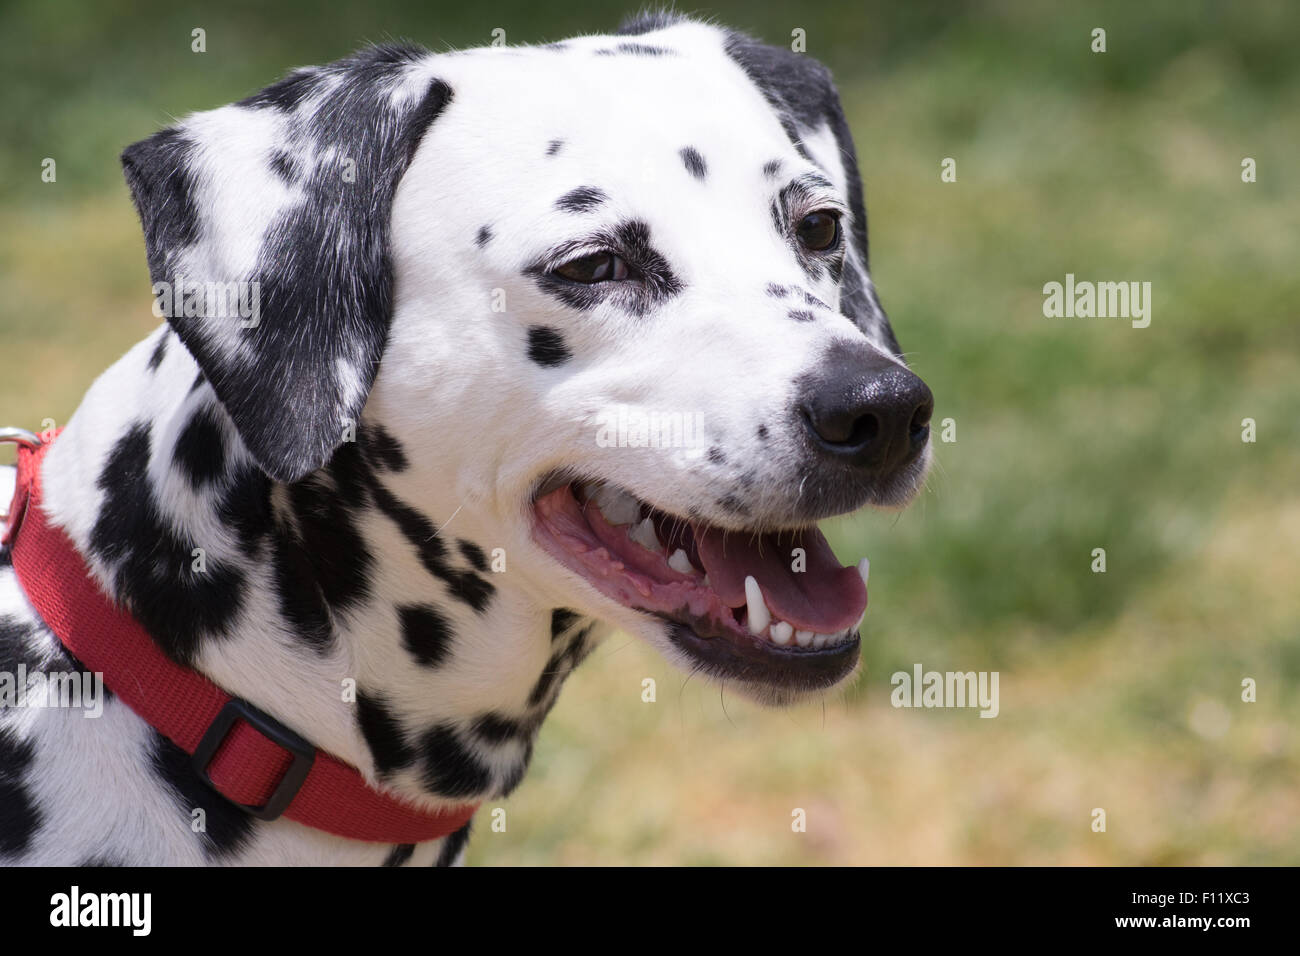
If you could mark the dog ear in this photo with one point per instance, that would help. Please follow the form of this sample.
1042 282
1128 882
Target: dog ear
805 99
281 203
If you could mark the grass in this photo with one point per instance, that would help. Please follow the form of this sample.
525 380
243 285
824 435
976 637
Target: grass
1119 690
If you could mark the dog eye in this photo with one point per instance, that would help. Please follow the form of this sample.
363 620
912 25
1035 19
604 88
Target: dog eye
597 267
819 231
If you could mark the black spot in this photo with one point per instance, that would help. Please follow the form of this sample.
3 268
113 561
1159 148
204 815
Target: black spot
198 383
473 554
558 667
484 236
694 162
637 49
561 620
546 347
777 291
246 508
227 827
579 648
717 456
499 729
285 165
400 855
200 451
100 862
422 534
16 648
762 432
426 634
151 566
470 588
450 769
554 147
20 818
554 671
813 300
159 352
582 199
734 505
383 449
802 315
383 733
772 168
452 845
322 563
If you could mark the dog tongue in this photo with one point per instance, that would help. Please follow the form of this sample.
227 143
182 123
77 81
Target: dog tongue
825 597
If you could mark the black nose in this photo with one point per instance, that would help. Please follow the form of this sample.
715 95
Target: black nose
863 409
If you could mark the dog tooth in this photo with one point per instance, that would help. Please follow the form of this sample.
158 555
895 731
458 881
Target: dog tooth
759 616
819 640
803 638
616 505
864 569
644 535
782 632
680 562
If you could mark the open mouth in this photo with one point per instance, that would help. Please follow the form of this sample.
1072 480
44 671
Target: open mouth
775 609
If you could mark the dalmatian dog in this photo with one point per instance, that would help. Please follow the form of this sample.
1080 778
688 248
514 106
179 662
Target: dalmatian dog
419 466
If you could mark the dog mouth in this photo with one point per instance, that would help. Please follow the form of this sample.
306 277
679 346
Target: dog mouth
774 609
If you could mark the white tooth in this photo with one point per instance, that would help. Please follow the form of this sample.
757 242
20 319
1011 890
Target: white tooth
864 569
759 616
819 640
706 582
781 632
803 638
644 535
616 505
680 563
856 627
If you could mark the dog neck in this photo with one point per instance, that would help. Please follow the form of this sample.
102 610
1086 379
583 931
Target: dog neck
343 604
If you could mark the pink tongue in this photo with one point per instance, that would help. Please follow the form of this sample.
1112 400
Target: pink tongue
824 597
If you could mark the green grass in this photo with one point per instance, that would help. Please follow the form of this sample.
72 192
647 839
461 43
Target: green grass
1119 690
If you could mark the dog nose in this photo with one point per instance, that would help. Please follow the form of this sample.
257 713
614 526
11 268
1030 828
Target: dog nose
867 411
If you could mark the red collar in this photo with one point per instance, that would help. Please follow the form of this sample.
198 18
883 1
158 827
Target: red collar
249 757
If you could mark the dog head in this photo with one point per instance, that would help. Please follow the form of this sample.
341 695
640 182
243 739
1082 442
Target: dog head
612 297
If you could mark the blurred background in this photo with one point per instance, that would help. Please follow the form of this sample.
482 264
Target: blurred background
1120 690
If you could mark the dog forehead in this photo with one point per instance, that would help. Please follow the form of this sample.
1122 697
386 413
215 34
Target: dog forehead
604 103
